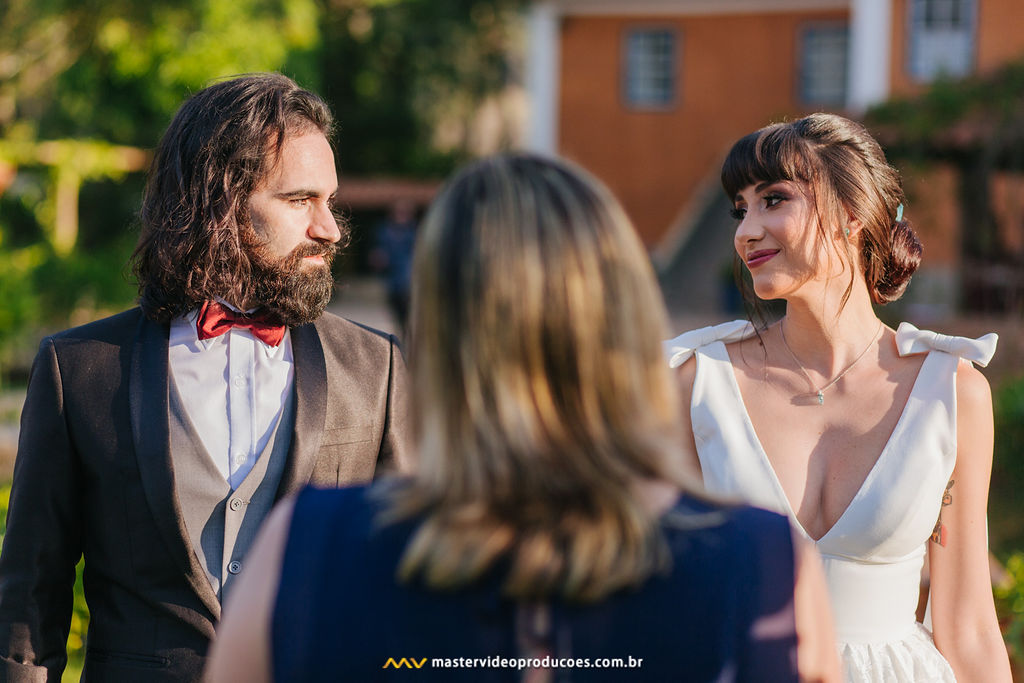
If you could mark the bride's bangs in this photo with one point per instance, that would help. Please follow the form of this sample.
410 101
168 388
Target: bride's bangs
774 153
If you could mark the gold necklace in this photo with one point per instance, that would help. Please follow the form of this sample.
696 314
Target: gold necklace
821 391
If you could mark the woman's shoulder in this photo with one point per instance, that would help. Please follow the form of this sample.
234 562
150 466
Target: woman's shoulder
683 347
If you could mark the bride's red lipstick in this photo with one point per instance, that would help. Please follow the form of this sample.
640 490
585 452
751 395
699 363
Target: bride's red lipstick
756 258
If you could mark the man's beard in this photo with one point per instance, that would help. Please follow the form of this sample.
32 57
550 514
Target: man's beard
292 292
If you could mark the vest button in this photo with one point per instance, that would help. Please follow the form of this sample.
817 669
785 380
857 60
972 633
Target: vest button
234 566
235 504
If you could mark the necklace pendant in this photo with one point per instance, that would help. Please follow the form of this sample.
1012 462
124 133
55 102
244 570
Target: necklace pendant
821 399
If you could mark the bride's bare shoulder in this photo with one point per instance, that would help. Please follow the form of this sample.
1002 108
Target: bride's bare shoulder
749 354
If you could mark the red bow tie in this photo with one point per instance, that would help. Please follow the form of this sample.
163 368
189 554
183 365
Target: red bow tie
215 319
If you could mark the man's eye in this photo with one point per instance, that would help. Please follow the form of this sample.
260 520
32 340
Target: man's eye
738 214
300 201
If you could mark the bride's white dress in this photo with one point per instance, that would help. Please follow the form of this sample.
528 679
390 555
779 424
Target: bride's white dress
874 553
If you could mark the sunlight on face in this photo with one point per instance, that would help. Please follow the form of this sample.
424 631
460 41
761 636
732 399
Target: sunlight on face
292 206
779 241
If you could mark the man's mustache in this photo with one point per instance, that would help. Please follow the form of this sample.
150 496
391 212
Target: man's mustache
325 249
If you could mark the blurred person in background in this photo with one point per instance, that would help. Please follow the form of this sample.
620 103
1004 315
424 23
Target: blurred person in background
391 255
864 435
155 442
551 514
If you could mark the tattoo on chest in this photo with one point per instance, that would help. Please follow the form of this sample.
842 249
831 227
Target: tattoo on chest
939 532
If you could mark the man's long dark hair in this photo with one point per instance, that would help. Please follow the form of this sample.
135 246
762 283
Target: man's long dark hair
196 241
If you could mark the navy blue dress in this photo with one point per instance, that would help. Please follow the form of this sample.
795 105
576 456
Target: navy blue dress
724 612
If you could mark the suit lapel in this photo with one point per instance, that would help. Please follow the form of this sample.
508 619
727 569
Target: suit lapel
310 408
148 400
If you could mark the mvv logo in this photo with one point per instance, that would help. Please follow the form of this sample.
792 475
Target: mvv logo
404 663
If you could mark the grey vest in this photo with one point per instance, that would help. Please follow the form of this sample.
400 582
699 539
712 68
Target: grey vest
222 523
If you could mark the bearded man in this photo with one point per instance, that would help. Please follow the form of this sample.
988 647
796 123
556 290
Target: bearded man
156 441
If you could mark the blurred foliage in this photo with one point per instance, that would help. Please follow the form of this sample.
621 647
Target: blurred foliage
406 78
395 71
79 613
1008 468
977 125
44 291
115 70
16 291
953 118
1010 607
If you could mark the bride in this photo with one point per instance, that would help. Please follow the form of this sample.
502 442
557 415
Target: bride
877 443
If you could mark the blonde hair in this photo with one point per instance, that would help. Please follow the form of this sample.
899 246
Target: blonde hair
541 393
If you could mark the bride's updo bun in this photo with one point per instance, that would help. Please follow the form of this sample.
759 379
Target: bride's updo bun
902 257
846 170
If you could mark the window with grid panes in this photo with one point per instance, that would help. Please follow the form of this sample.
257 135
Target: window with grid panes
650 69
941 40
823 60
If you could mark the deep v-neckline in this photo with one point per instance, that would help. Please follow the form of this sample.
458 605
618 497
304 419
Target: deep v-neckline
773 475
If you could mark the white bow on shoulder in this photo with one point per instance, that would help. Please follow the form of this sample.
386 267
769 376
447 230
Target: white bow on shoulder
680 349
911 340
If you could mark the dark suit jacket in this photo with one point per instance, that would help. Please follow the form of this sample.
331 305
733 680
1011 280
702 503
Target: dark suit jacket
93 475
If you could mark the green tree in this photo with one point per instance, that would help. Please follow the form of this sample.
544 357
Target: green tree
399 72
115 70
